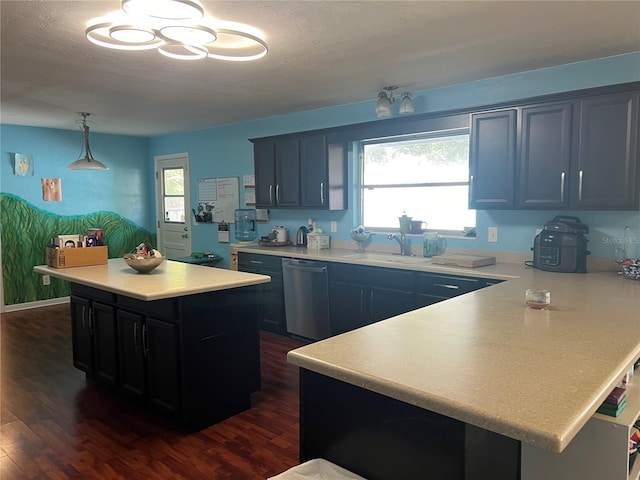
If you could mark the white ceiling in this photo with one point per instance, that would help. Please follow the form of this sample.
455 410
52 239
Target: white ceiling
322 53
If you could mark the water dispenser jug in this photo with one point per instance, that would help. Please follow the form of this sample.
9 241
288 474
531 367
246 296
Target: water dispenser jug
245 219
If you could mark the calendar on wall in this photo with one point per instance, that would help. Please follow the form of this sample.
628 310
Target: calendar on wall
218 198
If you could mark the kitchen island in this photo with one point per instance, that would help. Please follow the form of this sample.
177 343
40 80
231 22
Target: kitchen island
182 340
480 386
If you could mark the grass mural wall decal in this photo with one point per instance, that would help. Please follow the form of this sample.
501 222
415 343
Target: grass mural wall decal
26 231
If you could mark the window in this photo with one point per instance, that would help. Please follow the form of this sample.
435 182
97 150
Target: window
426 176
173 194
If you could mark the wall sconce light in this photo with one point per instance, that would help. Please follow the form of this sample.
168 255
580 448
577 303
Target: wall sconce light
87 162
386 99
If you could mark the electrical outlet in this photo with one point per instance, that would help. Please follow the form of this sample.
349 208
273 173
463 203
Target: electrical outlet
334 226
46 280
493 234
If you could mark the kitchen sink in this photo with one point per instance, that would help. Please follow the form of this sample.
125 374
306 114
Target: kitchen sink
389 258
411 260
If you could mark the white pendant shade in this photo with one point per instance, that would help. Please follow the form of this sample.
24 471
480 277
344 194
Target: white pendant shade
86 162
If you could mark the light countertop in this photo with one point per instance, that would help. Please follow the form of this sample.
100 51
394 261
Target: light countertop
504 271
485 358
170 279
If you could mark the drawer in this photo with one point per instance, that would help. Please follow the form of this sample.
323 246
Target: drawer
447 285
164 309
390 278
374 276
341 272
259 262
93 293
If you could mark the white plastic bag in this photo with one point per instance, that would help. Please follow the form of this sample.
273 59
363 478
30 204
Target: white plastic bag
317 469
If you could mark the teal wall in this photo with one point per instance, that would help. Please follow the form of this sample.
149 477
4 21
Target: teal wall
128 188
124 189
226 151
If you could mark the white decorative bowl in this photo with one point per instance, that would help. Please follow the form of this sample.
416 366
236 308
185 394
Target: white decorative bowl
142 263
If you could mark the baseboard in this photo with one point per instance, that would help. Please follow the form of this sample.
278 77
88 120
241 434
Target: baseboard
40 303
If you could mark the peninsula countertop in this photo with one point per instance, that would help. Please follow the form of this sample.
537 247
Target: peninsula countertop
486 359
171 279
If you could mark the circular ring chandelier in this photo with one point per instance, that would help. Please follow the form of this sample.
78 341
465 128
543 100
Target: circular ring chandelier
176 29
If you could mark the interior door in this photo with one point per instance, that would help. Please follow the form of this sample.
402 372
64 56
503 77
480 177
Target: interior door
173 208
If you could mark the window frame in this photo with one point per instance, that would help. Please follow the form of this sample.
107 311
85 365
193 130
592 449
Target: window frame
400 138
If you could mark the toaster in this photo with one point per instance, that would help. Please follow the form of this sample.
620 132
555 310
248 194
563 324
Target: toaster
561 246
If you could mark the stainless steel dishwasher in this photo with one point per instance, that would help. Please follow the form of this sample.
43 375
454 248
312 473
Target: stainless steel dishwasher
306 298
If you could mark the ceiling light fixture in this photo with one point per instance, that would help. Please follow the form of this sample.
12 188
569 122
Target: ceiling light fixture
176 29
386 99
164 9
87 162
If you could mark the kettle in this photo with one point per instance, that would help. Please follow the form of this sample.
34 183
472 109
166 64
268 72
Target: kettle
301 237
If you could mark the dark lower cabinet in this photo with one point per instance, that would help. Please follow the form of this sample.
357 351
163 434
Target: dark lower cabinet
359 296
347 309
93 329
133 379
432 288
381 438
149 359
195 359
271 312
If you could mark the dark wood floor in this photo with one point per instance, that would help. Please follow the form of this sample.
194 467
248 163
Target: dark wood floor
56 425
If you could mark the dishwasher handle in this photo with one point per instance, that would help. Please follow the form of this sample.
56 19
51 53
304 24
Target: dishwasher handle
313 267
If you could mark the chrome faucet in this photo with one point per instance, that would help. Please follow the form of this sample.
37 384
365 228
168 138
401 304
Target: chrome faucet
403 241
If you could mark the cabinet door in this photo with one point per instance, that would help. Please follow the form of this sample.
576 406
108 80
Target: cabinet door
347 306
606 172
264 163
287 190
313 168
105 343
160 345
271 303
270 311
386 303
492 160
81 334
545 156
130 354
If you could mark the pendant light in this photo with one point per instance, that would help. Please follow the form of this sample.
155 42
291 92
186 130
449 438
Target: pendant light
386 99
87 162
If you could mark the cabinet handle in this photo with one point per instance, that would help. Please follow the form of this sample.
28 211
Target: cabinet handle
277 193
91 323
270 193
145 347
446 285
258 262
135 337
562 187
580 174
84 323
322 193
471 187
